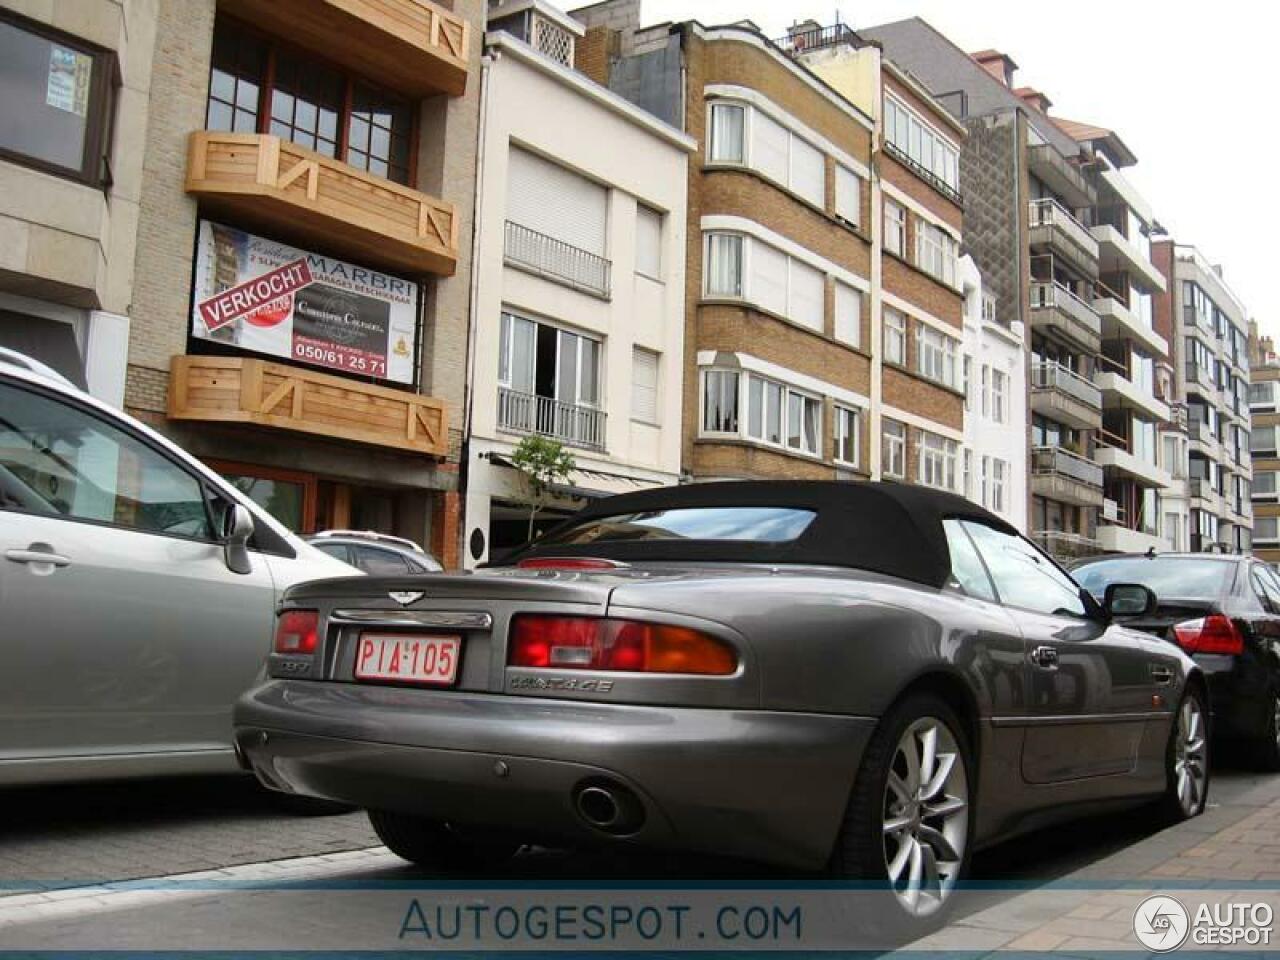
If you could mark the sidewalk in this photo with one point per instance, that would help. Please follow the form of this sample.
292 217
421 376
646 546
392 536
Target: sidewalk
1228 855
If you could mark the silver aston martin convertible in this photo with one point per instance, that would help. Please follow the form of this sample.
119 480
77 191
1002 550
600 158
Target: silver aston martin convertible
870 680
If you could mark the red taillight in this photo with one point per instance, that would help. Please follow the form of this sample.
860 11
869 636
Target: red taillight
297 631
1212 634
568 563
590 643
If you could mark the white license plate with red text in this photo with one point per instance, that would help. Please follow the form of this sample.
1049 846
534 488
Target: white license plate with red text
408 658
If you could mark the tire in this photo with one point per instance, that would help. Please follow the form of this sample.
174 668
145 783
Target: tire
1268 745
934 837
436 845
1186 761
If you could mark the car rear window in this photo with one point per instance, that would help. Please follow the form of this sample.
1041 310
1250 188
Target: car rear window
749 524
1186 578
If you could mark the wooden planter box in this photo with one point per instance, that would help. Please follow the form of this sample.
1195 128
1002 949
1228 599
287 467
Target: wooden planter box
248 390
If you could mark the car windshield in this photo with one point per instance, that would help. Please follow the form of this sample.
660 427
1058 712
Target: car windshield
1187 578
752 524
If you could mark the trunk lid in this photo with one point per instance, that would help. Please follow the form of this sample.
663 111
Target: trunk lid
1169 613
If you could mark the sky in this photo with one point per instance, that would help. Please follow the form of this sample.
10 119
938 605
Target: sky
1181 83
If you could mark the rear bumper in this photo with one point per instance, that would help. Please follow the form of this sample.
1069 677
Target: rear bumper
760 784
1239 695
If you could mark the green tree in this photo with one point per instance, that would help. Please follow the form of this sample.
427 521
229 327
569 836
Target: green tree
542 462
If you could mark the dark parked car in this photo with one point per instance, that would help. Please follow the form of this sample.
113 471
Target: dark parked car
863 678
1225 611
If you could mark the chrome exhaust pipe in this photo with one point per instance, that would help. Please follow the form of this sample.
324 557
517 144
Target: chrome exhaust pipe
609 807
599 807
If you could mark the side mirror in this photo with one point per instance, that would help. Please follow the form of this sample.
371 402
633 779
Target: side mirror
1128 600
235 539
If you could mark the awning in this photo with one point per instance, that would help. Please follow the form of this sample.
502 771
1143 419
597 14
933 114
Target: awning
52 342
576 491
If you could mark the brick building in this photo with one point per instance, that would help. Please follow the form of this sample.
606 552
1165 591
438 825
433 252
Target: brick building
75 96
300 310
792 285
1264 404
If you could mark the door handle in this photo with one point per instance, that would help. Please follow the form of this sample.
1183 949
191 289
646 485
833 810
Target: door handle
1161 674
38 553
1045 657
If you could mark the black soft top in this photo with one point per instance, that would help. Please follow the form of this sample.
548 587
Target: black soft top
889 528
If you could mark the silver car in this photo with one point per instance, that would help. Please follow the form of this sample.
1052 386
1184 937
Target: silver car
137 591
871 679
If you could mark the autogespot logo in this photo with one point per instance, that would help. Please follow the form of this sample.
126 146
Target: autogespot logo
1161 923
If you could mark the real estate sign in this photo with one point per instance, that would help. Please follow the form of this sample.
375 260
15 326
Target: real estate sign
267 297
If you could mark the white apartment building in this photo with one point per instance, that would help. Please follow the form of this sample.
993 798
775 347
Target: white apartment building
578 307
995 414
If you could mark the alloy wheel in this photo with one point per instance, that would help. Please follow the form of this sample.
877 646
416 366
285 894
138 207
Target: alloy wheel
926 816
1190 756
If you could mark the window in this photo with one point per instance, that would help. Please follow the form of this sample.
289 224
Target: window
967 382
999 380
549 381
1173 531
937 461
936 252
997 485
847 435
744 134
644 385
728 139
968 473
1262 394
937 356
719 401
1262 440
986 390
984 479
745 267
307 102
1023 576
648 242
921 144
55 101
1265 528
895 228
895 337
967 569
848 314
724 264
1264 485
893 453
848 195
60 461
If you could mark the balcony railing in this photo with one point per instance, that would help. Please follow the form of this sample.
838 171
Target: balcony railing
1062 545
570 423
803 41
1054 376
557 260
1078 321
1050 213
1196 373
925 174
1056 460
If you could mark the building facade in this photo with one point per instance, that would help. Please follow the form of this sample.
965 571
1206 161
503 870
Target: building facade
1264 406
824 306
1210 333
300 310
72 111
1049 230
580 282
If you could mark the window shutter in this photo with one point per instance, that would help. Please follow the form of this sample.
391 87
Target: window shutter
644 385
556 202
848 195
848 325
769 146
808 172
808 296
648 242
768 278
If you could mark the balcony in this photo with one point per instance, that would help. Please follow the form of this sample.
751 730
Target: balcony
1058 474
1119 392
1121 323
1121 461
1055 229
1116 252
1202 490
1063 177
295 193
1201 376
1065 396
557 261
411 46
571 423
1066 546
1114 538
249 391
1060 314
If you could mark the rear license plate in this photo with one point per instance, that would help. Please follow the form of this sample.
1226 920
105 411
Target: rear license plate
408 658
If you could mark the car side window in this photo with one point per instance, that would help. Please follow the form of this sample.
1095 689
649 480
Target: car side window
58 459
1264 580
1023 576
378 562
967 569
